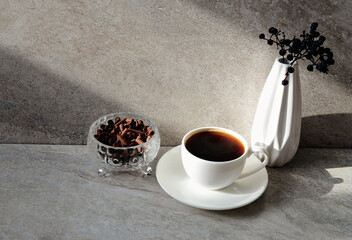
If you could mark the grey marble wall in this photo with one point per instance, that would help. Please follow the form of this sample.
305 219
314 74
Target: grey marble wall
184 64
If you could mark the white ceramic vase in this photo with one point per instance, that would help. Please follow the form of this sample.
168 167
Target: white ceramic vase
277 121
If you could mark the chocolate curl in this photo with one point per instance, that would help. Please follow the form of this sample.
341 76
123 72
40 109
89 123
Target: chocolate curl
129 134
133 143
135 131
119 122
150 132
103 134
121 139
110 122
139 141
139 124
106 128
124 132
113 137
121 127
103 139
133 123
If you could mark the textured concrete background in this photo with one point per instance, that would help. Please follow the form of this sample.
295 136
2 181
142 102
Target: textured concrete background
184 64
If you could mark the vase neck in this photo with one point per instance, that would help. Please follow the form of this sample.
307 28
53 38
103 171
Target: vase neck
284 61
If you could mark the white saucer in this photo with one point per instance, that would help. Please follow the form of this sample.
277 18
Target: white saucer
174 180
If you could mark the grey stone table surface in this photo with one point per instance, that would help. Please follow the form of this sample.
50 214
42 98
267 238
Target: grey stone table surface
54 192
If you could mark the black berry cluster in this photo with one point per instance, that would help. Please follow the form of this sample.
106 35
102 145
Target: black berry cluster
308 46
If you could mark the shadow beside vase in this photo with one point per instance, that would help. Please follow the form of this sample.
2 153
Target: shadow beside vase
327 131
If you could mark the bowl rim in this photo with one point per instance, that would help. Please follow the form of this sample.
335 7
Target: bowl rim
91 134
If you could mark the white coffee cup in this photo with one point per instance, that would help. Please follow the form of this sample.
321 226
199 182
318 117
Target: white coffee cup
215 175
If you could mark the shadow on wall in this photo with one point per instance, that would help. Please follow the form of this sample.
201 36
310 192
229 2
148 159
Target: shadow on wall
45 107
331 130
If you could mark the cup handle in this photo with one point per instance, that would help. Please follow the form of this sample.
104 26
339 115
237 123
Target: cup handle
252 150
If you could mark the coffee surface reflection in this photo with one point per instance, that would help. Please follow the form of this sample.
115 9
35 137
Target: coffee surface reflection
215 146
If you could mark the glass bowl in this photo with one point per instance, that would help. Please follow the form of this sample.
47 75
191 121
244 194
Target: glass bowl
115 159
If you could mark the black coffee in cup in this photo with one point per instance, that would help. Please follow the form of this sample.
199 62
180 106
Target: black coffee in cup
215 146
